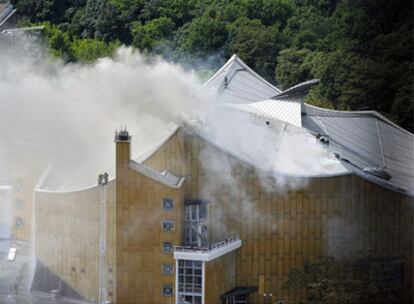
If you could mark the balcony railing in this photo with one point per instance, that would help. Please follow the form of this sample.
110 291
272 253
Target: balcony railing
208 252
211 247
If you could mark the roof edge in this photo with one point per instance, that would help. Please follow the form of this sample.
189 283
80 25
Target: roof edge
236 58
160 177
371 112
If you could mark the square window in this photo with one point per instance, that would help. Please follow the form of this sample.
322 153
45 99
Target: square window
167 290
167 269
167 247
167 204
167 225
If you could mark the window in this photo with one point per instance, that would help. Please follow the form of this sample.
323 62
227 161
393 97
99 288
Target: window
168 225
190 278
18 185
167 290
167 269
19 223
167 204
19 203
196 219
167 247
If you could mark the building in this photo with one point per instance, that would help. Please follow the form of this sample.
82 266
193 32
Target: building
202 219
7 15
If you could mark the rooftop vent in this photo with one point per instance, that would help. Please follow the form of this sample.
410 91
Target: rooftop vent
378 172
324 139
122 135
103 179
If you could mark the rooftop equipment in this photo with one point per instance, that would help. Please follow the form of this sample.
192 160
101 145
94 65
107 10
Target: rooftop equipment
378 172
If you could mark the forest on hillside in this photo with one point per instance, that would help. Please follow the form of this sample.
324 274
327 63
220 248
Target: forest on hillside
362 51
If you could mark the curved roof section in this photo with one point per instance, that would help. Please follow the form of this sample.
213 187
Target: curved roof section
79 174
365 142
369 144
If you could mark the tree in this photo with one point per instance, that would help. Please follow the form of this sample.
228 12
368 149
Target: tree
203 36
291 68
153 34
88 50
256 44
58 41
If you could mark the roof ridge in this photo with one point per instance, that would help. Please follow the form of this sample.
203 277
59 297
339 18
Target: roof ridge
235 58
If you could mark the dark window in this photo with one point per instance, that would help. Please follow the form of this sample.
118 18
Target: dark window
167 269
19 203
167 225
167 290
167 247
167 204
19 223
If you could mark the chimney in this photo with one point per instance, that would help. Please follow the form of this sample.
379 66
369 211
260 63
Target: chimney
122 140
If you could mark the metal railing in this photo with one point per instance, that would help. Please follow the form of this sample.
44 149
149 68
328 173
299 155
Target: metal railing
223 243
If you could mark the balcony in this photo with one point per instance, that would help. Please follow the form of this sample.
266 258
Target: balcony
208 253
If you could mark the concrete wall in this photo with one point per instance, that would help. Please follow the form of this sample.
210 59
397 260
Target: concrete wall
67 242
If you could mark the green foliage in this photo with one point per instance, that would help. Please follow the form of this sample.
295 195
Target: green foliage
255 43
83 50
153 34
203 36
291 68
58 41
88 50
362 51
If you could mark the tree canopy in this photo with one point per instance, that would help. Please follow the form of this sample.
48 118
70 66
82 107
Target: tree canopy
362 51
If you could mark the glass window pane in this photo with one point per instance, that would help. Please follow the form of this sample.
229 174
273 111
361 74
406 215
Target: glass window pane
167 225
167 290
167 269
168 204
167 247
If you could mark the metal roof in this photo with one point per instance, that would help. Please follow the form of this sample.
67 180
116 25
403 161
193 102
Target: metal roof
6 11
283 109
235 82
367 143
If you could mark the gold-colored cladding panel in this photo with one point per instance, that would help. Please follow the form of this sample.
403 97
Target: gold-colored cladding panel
280 229
139 229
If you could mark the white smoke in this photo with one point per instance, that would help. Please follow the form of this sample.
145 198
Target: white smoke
71 111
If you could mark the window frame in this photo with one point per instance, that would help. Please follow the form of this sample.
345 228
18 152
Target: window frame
164 203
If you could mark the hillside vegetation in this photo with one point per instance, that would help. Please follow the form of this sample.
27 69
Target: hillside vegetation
362 51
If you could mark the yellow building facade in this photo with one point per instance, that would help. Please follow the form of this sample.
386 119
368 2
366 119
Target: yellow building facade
195 223
238 244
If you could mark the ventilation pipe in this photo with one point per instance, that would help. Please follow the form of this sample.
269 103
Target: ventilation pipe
102 183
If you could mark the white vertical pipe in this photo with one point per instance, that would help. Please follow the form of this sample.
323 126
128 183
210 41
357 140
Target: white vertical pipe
102 239
176 281
203 283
